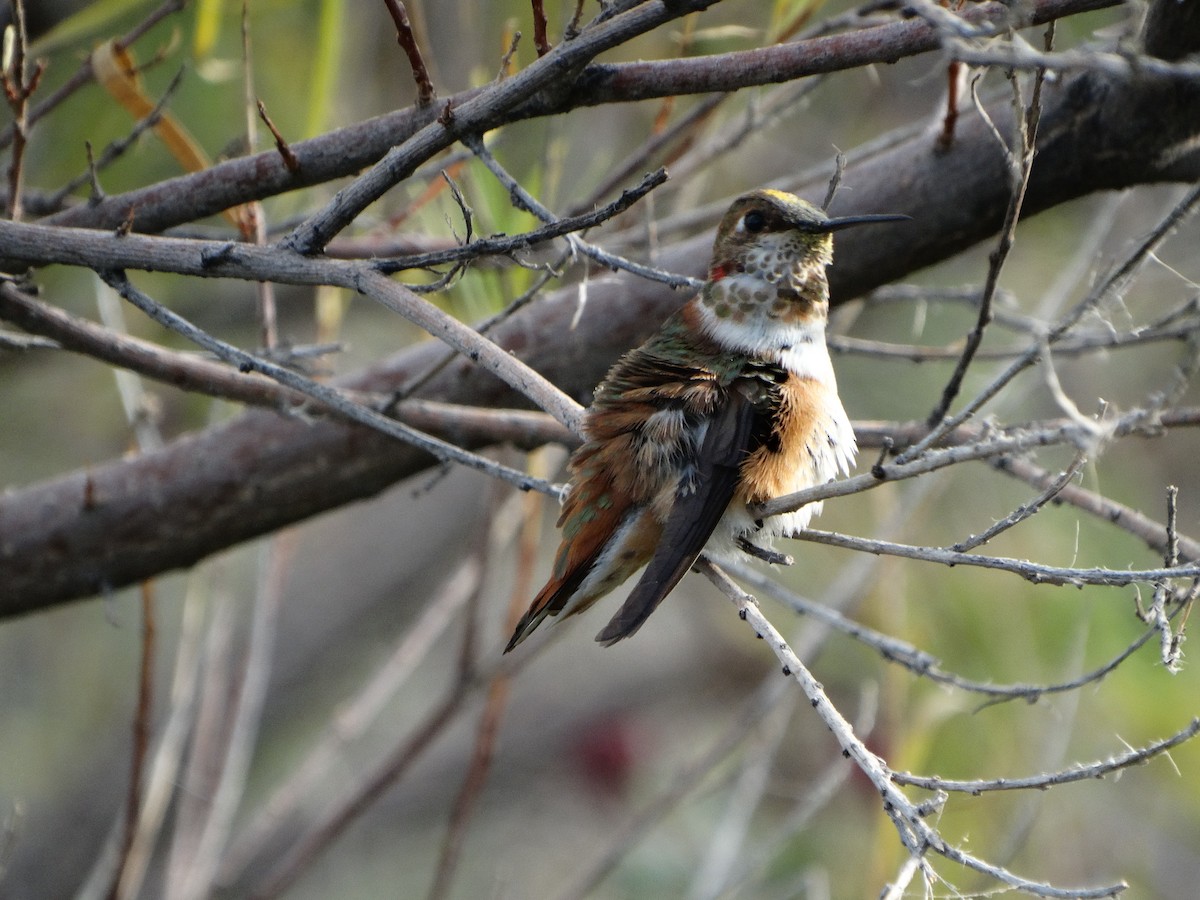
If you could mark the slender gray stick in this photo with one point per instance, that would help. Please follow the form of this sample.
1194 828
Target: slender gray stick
330 397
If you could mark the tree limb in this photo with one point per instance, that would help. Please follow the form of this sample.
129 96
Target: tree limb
348 150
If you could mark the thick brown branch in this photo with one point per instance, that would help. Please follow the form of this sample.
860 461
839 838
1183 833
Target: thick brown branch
349 150
187 372
785 62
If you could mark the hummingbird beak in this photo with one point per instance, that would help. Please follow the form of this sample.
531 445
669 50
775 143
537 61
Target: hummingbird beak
830 225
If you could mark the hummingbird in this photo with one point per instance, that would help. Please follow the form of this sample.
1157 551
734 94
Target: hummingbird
731 403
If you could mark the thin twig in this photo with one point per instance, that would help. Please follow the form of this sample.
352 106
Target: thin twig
285 152
478 349
506 245
19 84
1020 168
408 43
115 149
1118 64
920 662
980 445
1037 573
329 397
1080 344
84 74
253 221
524 200
540 41
835 180
414 384
779 102
1115 281
1023 512
639 158
1079 772
141 736
1119 514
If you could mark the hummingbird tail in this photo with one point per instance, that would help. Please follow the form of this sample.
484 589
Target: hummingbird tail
655 584
552 599
549 602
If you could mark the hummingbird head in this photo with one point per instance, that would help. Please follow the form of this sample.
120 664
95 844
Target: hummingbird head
772 234
766 287
769 260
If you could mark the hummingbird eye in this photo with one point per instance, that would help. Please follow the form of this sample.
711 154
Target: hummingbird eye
754 221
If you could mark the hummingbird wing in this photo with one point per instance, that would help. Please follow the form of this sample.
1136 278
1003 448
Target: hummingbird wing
700 500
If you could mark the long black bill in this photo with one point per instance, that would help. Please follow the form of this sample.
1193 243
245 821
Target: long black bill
847 221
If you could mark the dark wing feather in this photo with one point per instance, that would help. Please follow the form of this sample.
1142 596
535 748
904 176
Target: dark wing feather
700 501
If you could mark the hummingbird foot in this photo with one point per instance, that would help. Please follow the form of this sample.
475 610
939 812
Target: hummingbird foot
775 559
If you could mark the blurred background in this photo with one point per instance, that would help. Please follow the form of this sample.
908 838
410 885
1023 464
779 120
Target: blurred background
676 764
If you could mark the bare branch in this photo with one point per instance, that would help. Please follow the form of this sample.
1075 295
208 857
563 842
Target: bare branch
921 663
1026 510
348 150
1078 772
476 115
408 43
1037 573
332 398
1020 169
18 84
786 62
540 41
117 148
1113 282
225 259
555 227
526 201
285 152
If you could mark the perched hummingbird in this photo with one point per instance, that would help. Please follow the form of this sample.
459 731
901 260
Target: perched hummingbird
733 402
